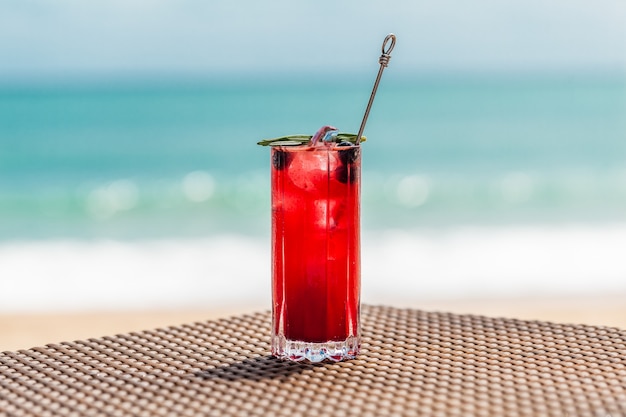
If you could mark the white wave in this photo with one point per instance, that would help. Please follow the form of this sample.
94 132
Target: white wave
234 270
496 261
75 275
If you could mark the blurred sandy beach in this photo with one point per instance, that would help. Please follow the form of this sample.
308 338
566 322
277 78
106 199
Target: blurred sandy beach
23 331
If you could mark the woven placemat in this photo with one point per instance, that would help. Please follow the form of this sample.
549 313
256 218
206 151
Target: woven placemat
412 363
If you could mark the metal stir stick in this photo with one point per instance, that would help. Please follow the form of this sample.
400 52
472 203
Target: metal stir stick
384 61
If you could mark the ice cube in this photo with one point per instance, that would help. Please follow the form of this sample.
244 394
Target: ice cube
309 169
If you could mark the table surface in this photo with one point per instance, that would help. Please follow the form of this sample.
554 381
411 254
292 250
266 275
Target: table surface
412 363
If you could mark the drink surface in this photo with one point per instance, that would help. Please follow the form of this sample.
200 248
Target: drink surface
315 242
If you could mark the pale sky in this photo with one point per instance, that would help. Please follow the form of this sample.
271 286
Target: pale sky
40 38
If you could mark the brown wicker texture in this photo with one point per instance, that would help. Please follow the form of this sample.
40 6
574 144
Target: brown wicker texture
412 363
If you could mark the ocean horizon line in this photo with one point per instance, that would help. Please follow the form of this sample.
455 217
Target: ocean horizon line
249 80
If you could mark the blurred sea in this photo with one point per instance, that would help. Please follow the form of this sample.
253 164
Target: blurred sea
449 164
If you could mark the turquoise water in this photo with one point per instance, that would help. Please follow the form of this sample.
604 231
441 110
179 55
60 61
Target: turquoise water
141 160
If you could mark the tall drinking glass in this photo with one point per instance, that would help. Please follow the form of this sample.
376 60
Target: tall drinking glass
316 251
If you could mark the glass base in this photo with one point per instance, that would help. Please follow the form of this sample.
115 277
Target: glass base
296 350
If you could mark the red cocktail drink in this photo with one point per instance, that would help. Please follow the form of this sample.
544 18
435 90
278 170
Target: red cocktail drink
316 260
316 251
